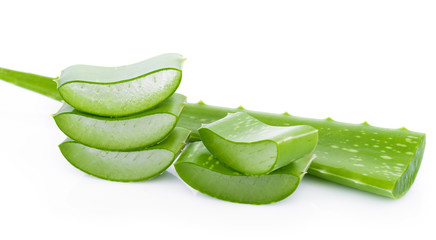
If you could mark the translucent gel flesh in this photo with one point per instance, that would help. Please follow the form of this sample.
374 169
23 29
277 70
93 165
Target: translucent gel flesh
124 98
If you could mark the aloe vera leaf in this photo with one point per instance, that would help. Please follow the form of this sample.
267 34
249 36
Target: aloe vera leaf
37 83
379 174
253 147
198 168
121 91
126 166
123 133
378 160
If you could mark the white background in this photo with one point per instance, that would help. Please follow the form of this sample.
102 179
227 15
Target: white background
351 60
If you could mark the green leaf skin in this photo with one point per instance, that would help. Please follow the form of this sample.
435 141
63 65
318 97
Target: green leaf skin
253 147
198 168
126 166
378 160
37 83
121 91
124 133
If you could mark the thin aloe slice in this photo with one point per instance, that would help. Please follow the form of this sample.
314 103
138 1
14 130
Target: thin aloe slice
124 133
378 160
126 166
253 147
121 91
198 168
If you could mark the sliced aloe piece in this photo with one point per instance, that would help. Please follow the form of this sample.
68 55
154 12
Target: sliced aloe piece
120 91
126 166
253 147
205 173
124 133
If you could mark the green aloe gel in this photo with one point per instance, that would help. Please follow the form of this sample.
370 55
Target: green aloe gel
121 91
253 147
126 166
198 168
123 133
378 160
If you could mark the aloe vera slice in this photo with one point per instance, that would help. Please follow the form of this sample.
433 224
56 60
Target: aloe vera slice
198 168
253 147
125 166
378 160
124 133
121 91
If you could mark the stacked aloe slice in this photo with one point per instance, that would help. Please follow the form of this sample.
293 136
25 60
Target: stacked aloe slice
120 121
241 159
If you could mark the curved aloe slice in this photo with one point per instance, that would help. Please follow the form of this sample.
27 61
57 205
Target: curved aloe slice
200 170
253 147
120 91
378 160
126 133
126 166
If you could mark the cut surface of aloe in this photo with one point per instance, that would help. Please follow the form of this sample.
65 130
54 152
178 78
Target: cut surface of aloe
126 166
123 133
378 160
253 147
121 91
198 168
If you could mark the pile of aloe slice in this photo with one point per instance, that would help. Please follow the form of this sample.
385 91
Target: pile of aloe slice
128 124
121 121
